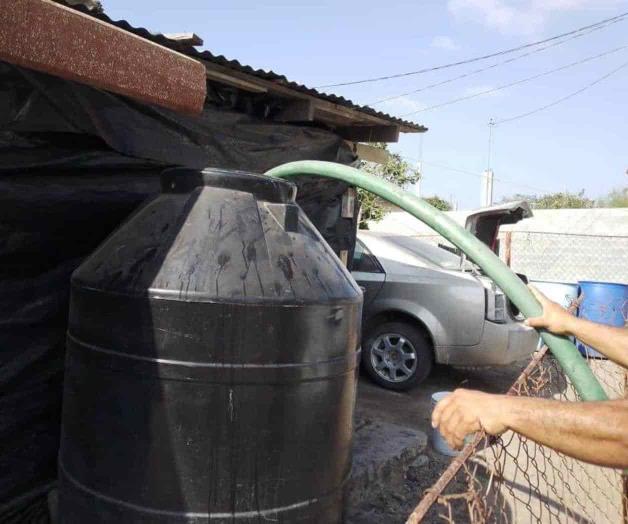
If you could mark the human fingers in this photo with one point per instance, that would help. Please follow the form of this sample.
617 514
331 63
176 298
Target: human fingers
450 411
535 322
440 407
458 439
453 430
448 432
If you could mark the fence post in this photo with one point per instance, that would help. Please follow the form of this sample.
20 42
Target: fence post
507 247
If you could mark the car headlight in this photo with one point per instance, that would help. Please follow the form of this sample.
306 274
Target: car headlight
495 301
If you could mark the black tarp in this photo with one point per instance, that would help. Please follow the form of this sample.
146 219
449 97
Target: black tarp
74 163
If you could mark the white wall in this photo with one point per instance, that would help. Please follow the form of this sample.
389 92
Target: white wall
555 244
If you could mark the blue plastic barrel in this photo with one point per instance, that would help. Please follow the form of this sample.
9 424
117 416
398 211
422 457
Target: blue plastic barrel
605 303
563 293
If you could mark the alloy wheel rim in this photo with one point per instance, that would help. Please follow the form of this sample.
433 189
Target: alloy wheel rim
393 357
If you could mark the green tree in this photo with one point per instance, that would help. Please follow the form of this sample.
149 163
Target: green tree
616 198
439 203
395 170
559 200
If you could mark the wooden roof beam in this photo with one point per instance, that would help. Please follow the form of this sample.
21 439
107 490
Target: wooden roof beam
370 153
296 111
324 111
232 81
185 39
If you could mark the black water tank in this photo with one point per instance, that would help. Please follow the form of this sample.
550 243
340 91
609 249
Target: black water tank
211 362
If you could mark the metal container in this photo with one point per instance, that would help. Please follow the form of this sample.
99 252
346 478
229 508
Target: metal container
211 362
603 302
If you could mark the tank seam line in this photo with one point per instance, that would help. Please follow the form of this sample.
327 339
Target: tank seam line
211 365
144 509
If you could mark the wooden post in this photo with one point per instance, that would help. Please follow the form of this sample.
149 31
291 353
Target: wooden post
507 247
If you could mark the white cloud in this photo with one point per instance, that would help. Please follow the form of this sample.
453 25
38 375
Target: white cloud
519 17
444 42
401 105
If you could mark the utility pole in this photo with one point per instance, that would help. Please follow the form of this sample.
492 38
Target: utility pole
417 184
419 167
486 189
491 124
453 202
417 187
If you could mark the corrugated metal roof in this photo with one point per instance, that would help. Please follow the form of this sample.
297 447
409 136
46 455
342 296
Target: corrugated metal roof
237 66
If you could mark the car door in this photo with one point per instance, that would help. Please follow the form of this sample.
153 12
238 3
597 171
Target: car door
367 272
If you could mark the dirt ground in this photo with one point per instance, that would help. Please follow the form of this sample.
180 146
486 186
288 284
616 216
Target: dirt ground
413 409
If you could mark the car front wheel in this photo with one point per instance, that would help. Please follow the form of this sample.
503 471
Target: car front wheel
397 355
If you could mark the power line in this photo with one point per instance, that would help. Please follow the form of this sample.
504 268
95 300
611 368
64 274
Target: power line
517 82
492 66
478 58
570 95
480 175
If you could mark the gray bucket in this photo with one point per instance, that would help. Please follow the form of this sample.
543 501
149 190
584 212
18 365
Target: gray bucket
438 442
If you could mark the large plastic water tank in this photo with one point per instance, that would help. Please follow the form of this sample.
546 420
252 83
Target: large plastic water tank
603 302
211 362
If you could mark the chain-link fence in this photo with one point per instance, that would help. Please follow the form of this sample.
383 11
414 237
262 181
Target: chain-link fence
511 479
559 257
566 257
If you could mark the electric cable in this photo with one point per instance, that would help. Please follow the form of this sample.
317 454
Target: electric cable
492 66
516 82
567 97
619 17
480 175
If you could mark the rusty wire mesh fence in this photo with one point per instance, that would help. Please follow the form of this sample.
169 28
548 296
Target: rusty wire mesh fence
511 479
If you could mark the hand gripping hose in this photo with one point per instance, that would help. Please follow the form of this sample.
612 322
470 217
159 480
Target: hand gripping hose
563 350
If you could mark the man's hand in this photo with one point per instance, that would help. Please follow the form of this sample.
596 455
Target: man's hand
554 318
465 412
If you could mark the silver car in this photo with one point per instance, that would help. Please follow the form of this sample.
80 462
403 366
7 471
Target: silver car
425 304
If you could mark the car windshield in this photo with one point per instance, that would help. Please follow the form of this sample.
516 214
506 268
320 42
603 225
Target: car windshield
434 254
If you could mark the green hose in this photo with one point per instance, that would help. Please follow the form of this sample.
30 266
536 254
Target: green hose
565 352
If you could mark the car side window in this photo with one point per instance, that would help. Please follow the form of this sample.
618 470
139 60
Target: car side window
364 261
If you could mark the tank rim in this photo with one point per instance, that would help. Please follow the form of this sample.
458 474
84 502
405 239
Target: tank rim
263 187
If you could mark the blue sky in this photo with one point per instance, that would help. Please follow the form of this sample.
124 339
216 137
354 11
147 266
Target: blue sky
581 143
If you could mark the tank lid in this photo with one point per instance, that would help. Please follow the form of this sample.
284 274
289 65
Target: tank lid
184 180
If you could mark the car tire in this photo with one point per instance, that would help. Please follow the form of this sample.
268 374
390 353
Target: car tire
388 346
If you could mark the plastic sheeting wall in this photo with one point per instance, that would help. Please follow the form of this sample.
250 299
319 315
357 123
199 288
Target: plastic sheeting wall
74 163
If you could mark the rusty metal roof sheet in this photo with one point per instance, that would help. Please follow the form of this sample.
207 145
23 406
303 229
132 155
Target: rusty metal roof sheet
55 39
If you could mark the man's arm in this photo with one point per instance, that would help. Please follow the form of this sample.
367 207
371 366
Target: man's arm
608 340
595 432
